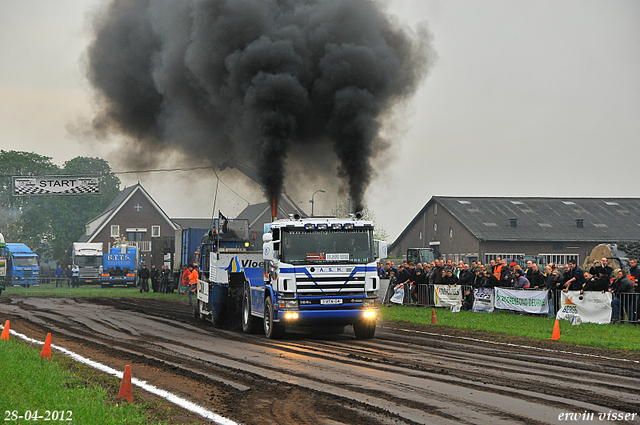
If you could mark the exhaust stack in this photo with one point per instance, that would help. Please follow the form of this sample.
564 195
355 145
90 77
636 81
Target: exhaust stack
274 210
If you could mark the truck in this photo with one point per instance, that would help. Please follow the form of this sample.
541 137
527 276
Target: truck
312 272
3 264
420 255
22 265
120 265
88 256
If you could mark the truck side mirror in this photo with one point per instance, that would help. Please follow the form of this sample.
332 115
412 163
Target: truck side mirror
268 253
382 250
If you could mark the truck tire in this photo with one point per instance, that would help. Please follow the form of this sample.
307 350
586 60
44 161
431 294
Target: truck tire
364 329
250 324
272 330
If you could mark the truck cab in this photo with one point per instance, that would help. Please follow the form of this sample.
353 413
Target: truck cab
88 257
317 272
22 265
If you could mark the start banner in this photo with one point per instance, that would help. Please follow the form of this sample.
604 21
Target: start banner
447 295
592 307
534 302
55 185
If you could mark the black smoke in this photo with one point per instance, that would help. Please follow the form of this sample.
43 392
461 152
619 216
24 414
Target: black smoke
256 79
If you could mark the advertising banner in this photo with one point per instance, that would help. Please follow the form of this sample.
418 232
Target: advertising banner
483 300
55 185
534 302
446 296
592 307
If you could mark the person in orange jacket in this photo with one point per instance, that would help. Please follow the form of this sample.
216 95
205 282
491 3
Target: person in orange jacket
193 279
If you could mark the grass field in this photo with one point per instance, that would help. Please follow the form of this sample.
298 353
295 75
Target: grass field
63 391
611 336
89 291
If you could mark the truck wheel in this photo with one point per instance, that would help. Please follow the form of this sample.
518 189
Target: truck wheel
364 329
250 324
272 330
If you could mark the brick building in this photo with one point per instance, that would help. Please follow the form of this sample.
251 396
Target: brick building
464 228
135 215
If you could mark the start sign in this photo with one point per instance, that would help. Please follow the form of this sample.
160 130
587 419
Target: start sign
55 185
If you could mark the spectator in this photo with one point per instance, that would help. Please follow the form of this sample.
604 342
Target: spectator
448 278
520 281
75 276
467 301
634 276
59 275
536 278
193 280
508 277
576 277
165 280
185 279
437 272
606 267
466 276
143 279
621 285
391 288
596 283
68 274
154 275
497 269
490 280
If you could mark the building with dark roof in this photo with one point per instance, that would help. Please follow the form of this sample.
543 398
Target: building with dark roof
466 228
135 215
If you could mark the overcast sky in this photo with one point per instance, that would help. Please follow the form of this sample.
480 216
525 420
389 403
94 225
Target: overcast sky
527 98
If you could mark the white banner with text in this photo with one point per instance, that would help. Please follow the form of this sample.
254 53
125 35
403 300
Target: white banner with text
447 295
483 300
534 302
592 307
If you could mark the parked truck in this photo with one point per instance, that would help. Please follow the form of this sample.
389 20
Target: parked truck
3 264
120 265
22 265
88 256
316 272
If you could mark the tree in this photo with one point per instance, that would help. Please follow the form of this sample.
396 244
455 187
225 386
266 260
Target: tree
341 210
51 223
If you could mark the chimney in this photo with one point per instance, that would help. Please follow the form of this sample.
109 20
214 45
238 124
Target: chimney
579 223
513 222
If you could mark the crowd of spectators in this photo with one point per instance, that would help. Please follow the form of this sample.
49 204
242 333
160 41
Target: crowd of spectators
502 273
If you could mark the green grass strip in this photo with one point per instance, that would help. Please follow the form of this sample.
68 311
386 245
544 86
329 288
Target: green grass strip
61 389
616 336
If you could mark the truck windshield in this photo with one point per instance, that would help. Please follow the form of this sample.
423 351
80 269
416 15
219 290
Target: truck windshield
88 261
25 261
328 246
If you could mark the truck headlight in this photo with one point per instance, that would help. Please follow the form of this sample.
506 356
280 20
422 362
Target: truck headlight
288 304
370 302
291 315
369 314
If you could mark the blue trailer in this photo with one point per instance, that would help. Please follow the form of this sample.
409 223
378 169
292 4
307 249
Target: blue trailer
22 265
120 266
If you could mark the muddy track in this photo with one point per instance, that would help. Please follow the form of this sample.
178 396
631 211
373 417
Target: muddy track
421 375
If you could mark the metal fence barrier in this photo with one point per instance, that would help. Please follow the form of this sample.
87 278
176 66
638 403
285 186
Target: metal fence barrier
423 295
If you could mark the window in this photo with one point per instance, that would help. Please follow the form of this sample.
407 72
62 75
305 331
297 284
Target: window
155 231
561 259
115 230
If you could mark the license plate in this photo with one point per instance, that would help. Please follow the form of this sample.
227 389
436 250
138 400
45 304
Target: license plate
332 301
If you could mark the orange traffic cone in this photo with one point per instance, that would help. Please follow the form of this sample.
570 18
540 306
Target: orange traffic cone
125 386
5 331
46 350
434 321
556 331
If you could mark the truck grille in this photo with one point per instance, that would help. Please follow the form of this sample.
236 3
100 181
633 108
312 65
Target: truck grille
323 287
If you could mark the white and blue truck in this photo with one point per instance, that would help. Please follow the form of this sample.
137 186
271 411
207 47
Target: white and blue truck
312 272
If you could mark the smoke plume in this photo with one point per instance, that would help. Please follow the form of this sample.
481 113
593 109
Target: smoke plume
273 82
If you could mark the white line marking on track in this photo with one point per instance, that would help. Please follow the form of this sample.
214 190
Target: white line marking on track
186 404
512 345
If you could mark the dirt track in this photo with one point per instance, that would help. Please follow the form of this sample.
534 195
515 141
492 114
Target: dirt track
430 375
